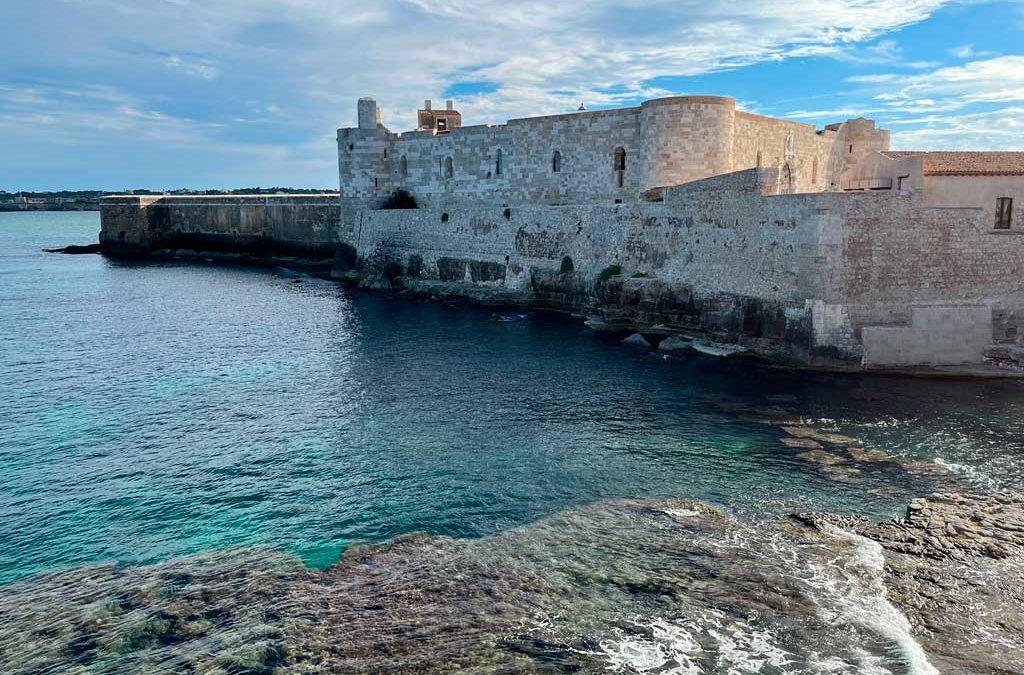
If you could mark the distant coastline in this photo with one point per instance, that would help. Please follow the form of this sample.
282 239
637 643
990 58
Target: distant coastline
89 200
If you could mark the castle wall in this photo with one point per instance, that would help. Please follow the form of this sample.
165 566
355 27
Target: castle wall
282 224
813 275
586 143
666 141
810 160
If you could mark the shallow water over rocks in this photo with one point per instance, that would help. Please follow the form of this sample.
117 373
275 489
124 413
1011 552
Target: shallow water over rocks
629 586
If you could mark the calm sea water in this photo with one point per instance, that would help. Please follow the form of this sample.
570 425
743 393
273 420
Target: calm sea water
152 410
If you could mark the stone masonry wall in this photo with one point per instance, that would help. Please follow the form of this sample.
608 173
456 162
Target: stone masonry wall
296 224
813 274
666 142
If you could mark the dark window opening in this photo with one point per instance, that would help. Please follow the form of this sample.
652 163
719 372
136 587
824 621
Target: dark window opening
449 167
758 158
851 148
385 153
1004 213
497 162
619 166
442 125
351 146
556 161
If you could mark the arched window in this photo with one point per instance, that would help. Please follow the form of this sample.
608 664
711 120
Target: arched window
814 172
786 183
403 167
497 162
758 158
619 165
556 161
449 167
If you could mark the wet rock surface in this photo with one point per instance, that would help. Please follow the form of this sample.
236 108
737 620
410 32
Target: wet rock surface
626 586
954 565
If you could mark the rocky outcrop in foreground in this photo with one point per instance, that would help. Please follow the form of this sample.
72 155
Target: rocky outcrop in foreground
623 586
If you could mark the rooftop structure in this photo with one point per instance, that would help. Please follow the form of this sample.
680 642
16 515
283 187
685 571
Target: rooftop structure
438 121
965 163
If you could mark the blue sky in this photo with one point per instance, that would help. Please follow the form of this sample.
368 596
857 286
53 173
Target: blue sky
116 94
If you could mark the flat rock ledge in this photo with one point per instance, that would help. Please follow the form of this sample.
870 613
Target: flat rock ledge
954 567
949 526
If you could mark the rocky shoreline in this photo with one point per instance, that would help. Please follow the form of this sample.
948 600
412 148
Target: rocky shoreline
637 587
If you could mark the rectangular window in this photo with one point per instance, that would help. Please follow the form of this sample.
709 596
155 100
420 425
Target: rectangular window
1004 213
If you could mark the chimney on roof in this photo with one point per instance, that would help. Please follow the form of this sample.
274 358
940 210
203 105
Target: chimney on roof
426 104
449 104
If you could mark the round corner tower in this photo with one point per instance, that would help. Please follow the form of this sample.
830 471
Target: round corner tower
685 138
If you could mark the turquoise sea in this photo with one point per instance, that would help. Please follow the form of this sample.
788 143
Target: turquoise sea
155 410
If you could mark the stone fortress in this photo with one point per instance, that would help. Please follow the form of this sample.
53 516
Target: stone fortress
607 156
699 225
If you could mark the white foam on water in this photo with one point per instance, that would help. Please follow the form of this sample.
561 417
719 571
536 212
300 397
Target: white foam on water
673 647
682 513
670 650
851 589
975 475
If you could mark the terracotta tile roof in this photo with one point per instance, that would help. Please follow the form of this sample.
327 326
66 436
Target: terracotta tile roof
965 163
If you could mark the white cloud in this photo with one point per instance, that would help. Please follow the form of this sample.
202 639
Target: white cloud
205 63
992 130
996 80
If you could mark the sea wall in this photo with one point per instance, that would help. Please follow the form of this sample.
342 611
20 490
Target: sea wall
304 225
817 277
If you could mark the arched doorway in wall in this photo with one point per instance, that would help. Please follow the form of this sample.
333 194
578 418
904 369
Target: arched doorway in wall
787 180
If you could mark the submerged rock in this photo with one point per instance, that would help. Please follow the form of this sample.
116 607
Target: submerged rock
674 343
716 349
637 340
376 283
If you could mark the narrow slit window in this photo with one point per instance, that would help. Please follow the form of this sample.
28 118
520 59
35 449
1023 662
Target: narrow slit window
497 162
403 167
619 166
556 161
1004 213
449 167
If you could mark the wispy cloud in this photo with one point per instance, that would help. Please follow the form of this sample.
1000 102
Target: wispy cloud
223 75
